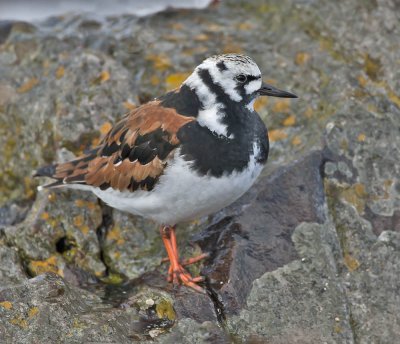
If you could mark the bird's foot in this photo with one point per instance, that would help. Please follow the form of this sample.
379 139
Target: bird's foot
177 273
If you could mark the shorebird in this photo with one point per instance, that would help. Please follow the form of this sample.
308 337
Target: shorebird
182 156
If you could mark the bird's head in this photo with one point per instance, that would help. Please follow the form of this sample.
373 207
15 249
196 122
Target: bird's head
231 77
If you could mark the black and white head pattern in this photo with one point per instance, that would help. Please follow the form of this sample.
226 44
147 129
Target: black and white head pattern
222 79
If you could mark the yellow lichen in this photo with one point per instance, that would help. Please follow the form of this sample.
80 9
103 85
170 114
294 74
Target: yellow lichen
33 311
302 58
105 128
260 103
84 229
372 67
355 195
76 323
337 329
19 321
361 137
362 80
201 37
245 26
394 97
104 76
351 262
165 309
171 38
85 204
38 267
27 86
281 106
115 235
79 203
212 27
289 121
175 80
129 105
112 278
296 141
78 220
176 26
91 205
60 72
277 135
160 62
388 183
45 216
29 187
344 145
51 197
360 190
6 304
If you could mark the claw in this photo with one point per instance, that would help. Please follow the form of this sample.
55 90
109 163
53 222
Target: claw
176 272
195 259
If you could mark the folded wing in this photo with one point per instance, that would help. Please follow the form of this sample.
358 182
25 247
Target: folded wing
133 155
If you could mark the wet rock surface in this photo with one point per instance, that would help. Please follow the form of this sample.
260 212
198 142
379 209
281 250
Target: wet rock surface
309 255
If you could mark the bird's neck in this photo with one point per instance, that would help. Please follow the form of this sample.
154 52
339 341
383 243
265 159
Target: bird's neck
211 106
218 112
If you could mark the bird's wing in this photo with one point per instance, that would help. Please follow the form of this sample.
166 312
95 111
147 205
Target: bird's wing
131 156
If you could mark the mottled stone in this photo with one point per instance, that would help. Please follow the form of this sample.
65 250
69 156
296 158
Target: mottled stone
47 309
370 275
189 331
11 270
309 255
302 302
60 231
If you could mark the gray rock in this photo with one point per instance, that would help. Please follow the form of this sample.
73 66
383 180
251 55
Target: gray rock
11 270
309 255
61 229
302 302
45 309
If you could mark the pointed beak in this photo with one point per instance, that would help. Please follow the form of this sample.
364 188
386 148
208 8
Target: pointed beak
268 90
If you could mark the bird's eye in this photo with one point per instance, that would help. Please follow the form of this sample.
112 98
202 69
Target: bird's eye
241 78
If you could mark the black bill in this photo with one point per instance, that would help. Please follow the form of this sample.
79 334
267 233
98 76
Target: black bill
268 90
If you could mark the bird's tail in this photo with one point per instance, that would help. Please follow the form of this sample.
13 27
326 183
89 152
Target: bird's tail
70 172
48 171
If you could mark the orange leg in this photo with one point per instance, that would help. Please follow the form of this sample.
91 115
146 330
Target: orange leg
176 273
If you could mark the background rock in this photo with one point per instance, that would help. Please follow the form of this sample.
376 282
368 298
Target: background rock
308 255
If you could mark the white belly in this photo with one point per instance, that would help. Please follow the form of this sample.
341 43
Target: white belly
183 195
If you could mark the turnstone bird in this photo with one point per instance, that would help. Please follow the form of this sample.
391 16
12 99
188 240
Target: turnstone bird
182 156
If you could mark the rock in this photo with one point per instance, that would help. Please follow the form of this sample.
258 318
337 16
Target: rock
61 229
46 309
308 255
189 331
73 118
11 270
302 302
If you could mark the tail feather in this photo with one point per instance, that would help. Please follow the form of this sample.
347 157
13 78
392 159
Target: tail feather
48 171
71 172
45 171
